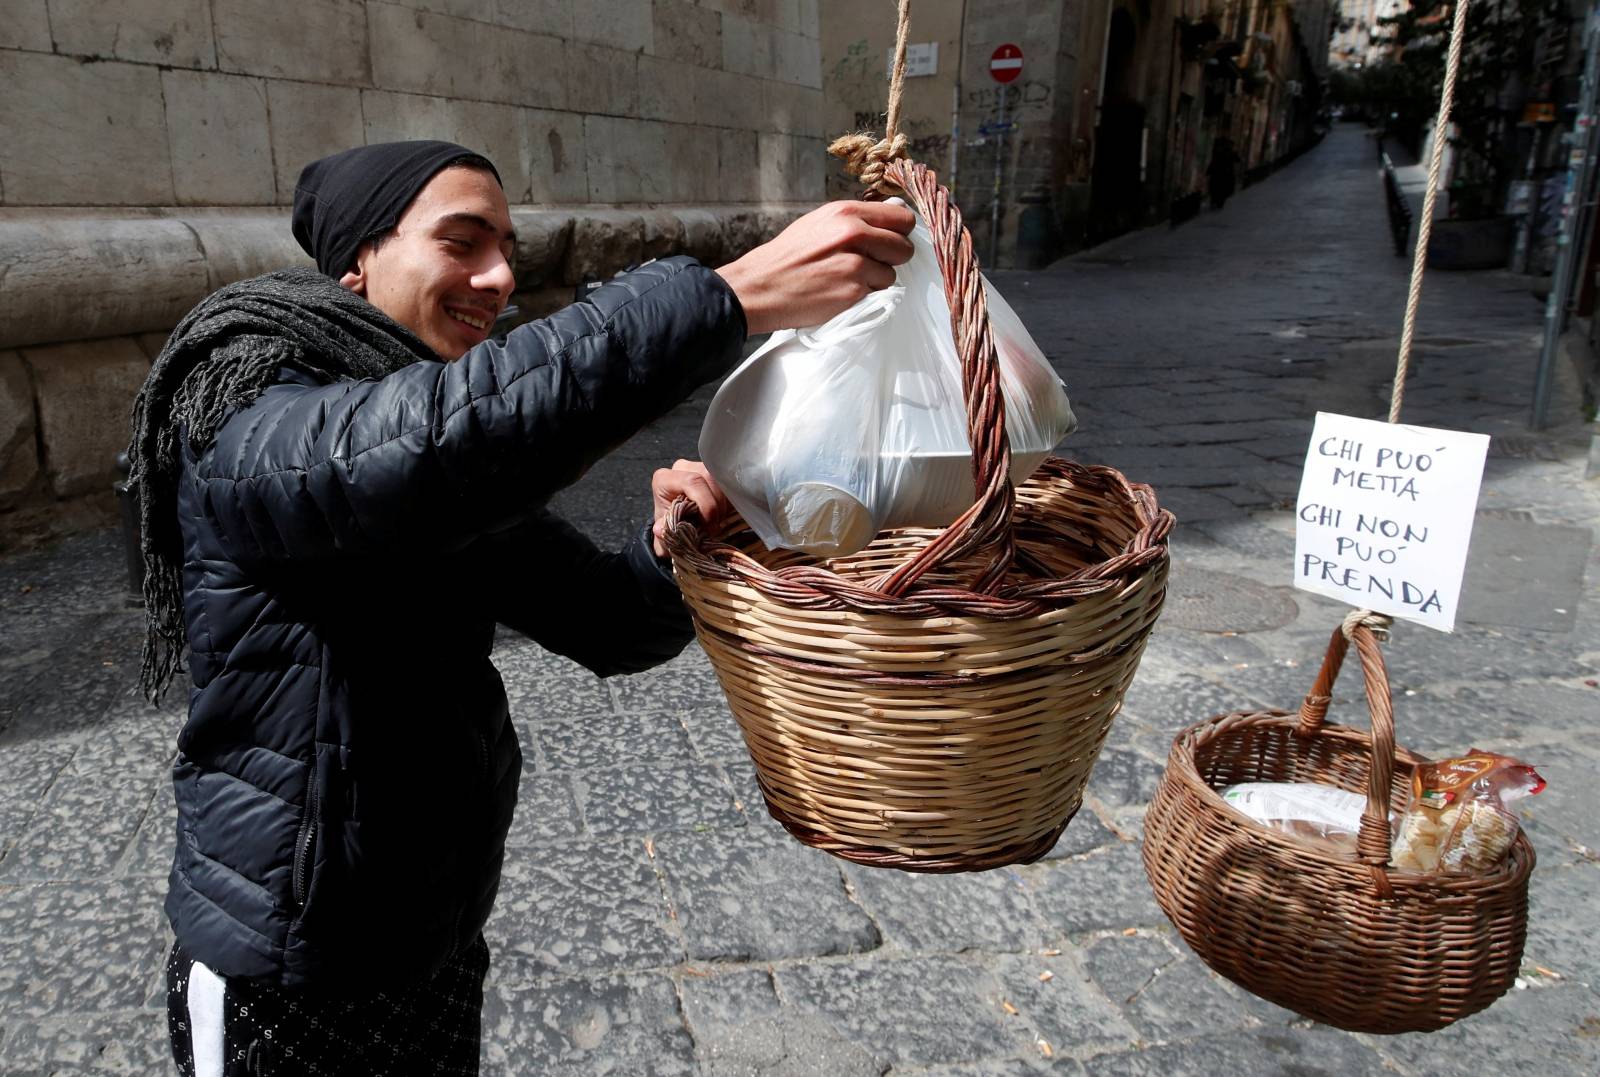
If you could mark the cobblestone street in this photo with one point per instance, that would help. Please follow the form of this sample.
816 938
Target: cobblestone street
654 920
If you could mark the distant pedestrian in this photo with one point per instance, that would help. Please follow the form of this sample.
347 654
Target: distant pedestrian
1222 175
343 481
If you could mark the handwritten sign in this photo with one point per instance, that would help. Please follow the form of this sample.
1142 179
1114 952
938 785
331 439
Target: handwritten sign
1385 515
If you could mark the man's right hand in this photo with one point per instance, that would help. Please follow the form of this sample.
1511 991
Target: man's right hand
821 264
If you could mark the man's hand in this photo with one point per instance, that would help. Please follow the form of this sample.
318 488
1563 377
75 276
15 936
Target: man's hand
821 264
686 478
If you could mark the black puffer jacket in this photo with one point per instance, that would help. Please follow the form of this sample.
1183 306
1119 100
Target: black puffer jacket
347 774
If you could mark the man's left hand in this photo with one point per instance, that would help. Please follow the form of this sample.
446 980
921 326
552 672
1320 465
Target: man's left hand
686 478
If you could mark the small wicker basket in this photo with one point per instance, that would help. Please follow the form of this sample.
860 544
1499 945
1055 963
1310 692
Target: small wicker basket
1343 939
935 702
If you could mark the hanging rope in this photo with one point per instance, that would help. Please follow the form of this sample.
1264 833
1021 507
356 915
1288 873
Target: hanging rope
1425 229
1378 622
868 158
984 531
865 156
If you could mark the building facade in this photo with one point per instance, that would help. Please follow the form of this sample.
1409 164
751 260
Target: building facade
1359 39
149 150
1112 120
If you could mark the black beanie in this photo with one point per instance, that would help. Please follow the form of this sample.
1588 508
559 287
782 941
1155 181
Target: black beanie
344 200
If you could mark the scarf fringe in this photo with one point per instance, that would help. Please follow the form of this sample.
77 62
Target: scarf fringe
220 358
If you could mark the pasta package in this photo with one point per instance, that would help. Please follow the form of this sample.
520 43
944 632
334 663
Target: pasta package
1460 820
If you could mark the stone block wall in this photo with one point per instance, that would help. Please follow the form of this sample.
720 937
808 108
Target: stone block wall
78 332
220 102
148 149
952 117
857 40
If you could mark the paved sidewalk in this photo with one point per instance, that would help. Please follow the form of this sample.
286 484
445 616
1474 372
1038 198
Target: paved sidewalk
654 920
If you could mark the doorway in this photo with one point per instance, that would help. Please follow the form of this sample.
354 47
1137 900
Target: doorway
1116 190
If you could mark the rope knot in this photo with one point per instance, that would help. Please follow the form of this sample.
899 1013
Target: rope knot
868 158
1377 623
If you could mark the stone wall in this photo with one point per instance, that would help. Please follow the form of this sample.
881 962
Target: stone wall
856 42
949 117
148 149
953 118
82 321
1037 138
219 102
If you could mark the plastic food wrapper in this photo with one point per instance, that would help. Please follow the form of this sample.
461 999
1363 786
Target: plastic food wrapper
1460 820
826 436
1304 809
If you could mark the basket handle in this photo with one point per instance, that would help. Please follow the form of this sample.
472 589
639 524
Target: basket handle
986 526
1374 838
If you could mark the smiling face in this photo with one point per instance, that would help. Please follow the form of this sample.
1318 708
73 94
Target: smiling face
445 270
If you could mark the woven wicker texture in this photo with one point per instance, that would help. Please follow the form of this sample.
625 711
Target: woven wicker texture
935 702
1339 938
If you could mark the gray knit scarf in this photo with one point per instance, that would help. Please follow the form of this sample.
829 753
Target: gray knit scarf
223 355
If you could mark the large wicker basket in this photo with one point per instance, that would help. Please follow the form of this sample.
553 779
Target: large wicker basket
1343 939
936 701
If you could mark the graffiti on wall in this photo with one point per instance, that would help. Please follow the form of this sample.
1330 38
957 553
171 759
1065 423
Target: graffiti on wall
857 82
1018 95
920 145
982 106
856 67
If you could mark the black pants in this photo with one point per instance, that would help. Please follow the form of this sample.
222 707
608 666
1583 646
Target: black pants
430 1027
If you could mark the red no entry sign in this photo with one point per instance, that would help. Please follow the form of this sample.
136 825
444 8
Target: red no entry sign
1006 63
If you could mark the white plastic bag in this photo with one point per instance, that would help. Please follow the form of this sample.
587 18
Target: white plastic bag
826 436
1306 809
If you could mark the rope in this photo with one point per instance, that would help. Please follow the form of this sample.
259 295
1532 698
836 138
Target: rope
1377 623
1425 228
1419 258
897 76
865 156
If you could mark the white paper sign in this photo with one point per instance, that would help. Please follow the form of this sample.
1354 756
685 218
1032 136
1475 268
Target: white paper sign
921 60
1385 515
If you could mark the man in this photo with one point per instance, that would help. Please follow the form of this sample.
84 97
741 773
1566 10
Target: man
343 483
